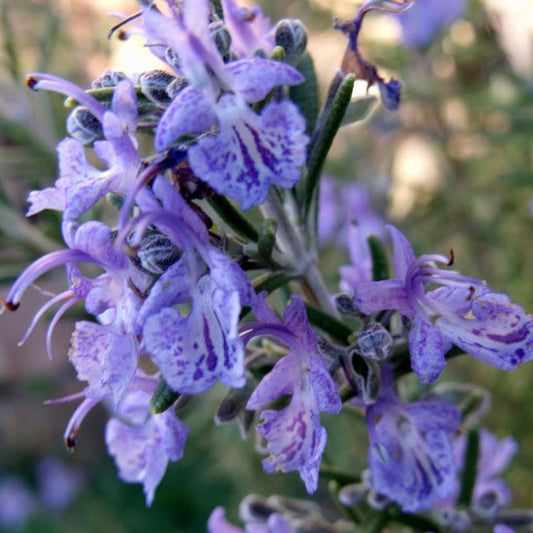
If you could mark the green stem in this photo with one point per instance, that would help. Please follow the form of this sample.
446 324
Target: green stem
336 329
468 476
291 243
330 123
338 474
416 522
233 218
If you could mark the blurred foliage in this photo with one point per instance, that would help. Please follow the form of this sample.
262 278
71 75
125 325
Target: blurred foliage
461 100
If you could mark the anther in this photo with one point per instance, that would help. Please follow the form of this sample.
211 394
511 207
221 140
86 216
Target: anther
70 442
10 306
32 82
123 23
452 258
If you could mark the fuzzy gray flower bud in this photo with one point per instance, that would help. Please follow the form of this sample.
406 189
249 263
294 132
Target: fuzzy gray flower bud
375 342
84 126
154 85
291 35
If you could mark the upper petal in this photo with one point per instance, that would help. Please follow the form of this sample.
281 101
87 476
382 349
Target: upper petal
249 28
254 78
324 387
189 113
278 382
251 152
500 334
374 296
404 255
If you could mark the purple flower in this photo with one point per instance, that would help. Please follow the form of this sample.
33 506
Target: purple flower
142 443
411 456
462 311
295 437
80 185
195 350
426 18
242 152
105 353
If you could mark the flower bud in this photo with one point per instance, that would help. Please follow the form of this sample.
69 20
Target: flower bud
234 402
291 35
156 252
375 342
154 85
457 521
109 78
84 126
255 508
172 58
352 494
175 86
220 36
377 501
346 305
487 504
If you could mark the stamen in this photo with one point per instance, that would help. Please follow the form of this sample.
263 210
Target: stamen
452 258
75 421
123 22
32 82
10 306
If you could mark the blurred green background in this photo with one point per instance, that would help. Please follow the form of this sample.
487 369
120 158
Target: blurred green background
452 168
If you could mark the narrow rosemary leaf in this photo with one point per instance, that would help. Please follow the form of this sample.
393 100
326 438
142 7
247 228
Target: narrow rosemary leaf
163 398
468 476
330 124
305 95
380 263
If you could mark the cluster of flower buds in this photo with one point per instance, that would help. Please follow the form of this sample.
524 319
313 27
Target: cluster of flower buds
179 282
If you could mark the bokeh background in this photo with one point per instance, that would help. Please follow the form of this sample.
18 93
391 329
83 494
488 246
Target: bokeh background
453 168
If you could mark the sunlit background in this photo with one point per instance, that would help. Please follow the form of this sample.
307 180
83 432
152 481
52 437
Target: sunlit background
453 168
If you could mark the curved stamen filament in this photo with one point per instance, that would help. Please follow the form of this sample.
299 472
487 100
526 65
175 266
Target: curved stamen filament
60 312
73 426
39 80
256 329
40 267
65 295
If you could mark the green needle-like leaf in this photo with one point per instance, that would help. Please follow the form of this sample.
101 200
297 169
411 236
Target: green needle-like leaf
163 398
468 476
305 95
233 218
380 262
330 123
328 324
